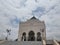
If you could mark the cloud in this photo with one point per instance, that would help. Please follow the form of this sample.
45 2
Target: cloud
38 11
52 23
14 11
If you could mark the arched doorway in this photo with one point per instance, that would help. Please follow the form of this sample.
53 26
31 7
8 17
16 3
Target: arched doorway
31 36
23 36
39 36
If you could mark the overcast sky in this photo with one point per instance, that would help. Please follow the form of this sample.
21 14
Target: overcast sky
14 11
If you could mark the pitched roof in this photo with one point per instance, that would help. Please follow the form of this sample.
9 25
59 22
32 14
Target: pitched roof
33 17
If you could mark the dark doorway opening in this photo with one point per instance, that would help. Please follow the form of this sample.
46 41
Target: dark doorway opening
39 36
23 36
31 36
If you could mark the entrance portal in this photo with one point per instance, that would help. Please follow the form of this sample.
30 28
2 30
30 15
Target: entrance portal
39 36
23 37
31 36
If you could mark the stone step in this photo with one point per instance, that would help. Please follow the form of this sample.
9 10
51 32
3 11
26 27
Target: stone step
22 43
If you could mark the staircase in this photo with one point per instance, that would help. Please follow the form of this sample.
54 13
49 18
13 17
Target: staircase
22 43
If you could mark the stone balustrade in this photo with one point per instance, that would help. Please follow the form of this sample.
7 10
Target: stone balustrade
21 43
44 42
55 42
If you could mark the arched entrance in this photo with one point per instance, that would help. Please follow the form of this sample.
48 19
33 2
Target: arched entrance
31 36
23 36
39 36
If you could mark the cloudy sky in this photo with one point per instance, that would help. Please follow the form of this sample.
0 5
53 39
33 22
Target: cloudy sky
14 11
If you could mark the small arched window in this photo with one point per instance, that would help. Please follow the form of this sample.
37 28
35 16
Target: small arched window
23 36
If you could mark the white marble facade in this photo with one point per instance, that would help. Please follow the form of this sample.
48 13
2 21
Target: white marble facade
33 25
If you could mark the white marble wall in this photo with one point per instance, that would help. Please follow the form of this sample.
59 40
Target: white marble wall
34 25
